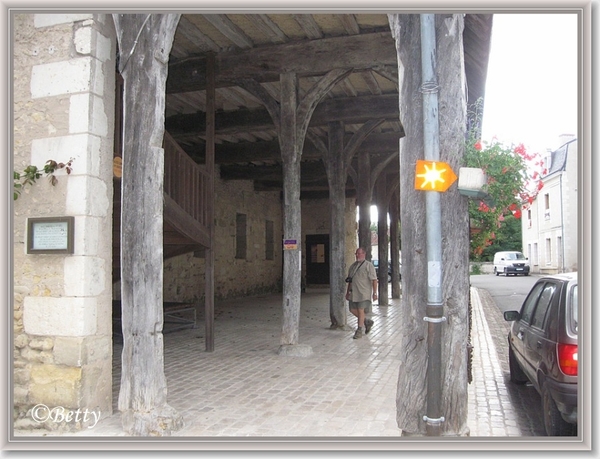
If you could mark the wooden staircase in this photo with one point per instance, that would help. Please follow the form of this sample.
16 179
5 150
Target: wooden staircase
186 197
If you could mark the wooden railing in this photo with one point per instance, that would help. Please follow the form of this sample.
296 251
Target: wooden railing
186 182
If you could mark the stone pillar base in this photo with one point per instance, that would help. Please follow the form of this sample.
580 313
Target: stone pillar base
295 350
161 422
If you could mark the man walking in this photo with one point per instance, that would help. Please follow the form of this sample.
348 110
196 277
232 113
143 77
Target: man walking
362 286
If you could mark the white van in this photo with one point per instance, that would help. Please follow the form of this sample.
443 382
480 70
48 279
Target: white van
510 263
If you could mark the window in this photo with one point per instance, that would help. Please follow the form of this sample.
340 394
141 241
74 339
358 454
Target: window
269 242
548 251
530 302
529 218
240 236
546 206
572 308
543 306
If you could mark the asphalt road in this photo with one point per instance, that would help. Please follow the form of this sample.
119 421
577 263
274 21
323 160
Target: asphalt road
498 294
507 292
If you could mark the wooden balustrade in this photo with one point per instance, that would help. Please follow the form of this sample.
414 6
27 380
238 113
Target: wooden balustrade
186 182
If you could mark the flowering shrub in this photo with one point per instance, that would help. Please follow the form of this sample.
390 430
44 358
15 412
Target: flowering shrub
513 182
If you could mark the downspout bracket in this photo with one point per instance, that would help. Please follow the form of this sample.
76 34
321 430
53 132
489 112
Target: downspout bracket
434 320
433 421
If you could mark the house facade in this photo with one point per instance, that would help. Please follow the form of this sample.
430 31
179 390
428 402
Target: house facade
551 225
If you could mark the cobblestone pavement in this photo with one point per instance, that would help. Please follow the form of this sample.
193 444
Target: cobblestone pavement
525 400
346 388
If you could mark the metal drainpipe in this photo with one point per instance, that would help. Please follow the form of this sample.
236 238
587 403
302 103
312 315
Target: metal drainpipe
435 309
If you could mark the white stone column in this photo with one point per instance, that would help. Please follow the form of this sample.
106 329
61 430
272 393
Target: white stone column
68 113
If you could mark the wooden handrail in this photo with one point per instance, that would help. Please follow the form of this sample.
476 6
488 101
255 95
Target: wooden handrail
186 182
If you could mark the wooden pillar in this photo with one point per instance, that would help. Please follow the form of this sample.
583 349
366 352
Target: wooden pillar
337 158
145 42
291 117
412 387
291 150
382 237
209 291
336 166
394 243
364 198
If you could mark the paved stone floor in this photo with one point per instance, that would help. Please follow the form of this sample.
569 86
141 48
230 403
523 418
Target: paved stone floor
525 402
346 388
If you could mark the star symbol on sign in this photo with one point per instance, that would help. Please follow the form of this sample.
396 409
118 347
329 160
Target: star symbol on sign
433 176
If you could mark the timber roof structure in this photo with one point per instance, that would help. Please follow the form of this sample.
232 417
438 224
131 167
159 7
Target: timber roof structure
260 47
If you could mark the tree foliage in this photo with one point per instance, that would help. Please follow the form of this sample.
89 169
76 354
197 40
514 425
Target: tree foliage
509 236
513 182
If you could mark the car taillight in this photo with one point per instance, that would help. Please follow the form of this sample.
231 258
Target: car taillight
567 358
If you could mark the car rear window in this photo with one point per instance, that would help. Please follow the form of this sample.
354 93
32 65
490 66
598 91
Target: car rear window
572 308
543 305
530 302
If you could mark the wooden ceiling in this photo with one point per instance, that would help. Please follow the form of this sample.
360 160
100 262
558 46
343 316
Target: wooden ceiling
262 46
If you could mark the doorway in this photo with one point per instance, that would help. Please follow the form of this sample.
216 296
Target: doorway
317 259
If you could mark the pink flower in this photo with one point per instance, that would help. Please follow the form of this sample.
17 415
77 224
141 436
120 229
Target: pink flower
520 149
477 145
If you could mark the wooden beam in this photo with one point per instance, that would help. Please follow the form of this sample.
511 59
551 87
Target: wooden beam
171 251
247 152
268 27
194 35
350 110
309 25
184 223
224 25
349 23
305 58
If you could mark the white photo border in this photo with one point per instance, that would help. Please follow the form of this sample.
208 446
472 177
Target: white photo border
588 168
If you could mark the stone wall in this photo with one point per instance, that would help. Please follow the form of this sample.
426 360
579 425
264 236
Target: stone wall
63 105
234 277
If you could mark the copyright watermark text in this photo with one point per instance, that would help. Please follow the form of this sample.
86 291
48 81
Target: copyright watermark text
41 413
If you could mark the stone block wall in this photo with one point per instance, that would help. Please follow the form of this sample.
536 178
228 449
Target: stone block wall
234 277
254 275
63 104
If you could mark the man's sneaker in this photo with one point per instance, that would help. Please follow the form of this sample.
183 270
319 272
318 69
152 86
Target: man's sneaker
358 333
368 324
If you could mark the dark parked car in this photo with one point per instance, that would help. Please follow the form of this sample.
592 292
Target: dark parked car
543 349
376 264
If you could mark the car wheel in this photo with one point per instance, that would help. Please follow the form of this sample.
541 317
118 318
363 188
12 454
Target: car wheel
496 271
553 422
517 376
